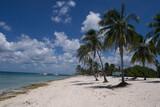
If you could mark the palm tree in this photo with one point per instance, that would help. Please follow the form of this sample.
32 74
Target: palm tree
144 52
112 68
83 53
109 68
118 32
155 25
78 69
106 68
158 67
96 68
94 44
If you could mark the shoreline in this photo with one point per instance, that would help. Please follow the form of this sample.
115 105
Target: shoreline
7 94
81 91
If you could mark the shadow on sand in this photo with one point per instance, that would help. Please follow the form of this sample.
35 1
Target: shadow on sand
75 81
120 85
90 83
152 82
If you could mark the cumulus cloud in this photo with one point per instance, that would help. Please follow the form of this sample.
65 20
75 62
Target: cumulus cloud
4 26
38 55
26 50
68 45
61 11
4 44
91 22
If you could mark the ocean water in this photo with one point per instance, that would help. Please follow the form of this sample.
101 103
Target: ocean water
14 80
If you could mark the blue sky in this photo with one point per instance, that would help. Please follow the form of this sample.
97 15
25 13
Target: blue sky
48 23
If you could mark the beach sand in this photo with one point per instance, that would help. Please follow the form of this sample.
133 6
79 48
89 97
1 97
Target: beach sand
83 91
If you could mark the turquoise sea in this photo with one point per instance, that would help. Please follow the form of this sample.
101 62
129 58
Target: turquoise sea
15 80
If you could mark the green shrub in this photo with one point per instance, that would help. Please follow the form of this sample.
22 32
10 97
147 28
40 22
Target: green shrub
139 71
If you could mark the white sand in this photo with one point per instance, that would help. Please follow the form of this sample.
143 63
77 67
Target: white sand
81 92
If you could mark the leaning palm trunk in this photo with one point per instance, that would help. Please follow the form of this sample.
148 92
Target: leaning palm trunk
121 55
94 73
104 74
158 70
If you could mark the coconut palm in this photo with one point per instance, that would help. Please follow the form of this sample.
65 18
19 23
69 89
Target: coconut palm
78 68
106 68
157 64
112 68
83 53
94 44
109 68
96 67
143 52
155 25
118 32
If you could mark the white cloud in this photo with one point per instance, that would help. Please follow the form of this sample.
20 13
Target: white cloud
68 45
61 11
72 3
26 50
91 22
39 56
4 26
59 3
4 44
56 19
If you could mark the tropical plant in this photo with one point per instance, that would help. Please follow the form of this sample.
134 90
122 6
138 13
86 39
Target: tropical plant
94 44
84 71
139 71
106 68
96 67
157 64
155 33
112 68
118 32
78 69
84 55
109 68
144 52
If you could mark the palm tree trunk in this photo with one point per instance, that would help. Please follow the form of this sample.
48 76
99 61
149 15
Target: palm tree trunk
158 71
104 74
121 55
143 72
95 75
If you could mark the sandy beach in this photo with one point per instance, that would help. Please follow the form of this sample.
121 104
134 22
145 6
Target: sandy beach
83 91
